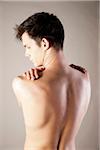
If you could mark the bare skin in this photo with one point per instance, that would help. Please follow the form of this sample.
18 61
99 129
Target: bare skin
53 106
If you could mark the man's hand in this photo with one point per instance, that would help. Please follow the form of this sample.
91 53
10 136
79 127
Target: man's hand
83 70
34 73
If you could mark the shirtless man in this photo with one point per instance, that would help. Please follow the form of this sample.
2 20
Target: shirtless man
55 102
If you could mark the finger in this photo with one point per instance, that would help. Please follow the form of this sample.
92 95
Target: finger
78 68
33 78
81 69
28 75
32 74
35 73
40 68
24 74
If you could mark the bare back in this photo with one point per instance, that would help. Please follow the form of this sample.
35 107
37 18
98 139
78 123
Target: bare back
53 108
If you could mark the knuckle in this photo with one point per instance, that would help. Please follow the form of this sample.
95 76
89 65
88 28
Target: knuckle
35 70
23 74
30 70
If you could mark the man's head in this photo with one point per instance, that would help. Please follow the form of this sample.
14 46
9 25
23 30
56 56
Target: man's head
40 32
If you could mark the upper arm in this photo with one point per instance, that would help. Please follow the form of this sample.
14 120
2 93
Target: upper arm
22 88
32 98
16 86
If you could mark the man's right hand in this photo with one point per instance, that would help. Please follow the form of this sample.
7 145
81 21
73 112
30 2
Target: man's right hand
34 73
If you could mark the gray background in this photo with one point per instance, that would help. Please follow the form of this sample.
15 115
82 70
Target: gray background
80 20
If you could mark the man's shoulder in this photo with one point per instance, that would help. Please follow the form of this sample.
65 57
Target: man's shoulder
79 80
79 73
21 84
80 83
16 82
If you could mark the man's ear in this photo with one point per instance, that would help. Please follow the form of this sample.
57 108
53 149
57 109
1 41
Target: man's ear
45 44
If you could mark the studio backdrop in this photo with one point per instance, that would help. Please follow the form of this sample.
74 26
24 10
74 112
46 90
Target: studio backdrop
80 21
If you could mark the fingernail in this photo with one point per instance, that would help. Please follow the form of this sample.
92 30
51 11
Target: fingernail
33 78
37 77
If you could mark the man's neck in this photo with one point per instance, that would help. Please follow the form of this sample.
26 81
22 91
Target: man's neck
54 59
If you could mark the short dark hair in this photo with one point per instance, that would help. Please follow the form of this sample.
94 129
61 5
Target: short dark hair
42 25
